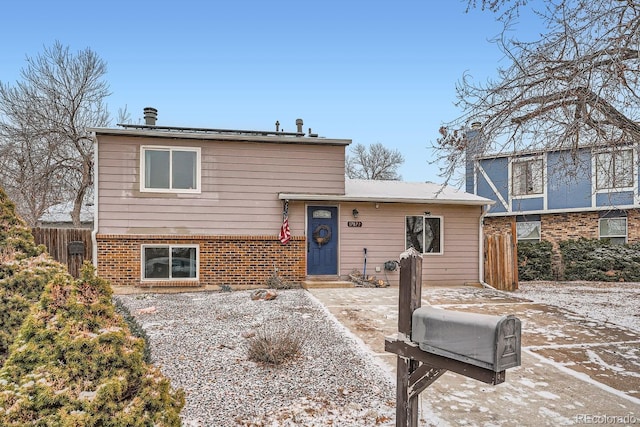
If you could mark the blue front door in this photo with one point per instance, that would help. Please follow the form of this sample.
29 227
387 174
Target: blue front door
322 240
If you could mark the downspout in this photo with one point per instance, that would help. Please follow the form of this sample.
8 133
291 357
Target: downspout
485 210
94 232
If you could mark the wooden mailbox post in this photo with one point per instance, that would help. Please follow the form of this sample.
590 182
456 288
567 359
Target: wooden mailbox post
418 368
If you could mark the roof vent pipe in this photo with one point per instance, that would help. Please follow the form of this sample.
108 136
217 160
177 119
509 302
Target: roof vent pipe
299 125
150 116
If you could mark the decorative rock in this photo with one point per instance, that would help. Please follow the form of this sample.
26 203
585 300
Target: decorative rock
264 294
148 310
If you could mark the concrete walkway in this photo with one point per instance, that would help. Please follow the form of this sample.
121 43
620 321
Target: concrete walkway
574 370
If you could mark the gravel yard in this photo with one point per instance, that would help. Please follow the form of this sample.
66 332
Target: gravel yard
199 340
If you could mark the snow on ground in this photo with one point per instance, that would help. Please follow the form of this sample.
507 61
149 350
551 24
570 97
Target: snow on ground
200 340
613 302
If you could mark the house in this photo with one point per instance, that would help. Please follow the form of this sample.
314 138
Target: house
182 207
560 194
59 216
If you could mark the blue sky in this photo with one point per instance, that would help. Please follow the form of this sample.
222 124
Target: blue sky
371 71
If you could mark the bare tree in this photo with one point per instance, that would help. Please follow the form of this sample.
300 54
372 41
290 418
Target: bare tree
46 149
29 174
374 162
577 85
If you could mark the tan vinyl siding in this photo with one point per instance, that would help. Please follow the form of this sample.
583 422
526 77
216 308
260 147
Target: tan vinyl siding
383 234
240 186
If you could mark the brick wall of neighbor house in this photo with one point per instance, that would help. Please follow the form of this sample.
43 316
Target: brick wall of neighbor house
633 226
224 260
564 226
497 224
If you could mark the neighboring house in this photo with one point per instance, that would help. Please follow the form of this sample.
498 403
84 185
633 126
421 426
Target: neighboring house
200 207
555 195
59 216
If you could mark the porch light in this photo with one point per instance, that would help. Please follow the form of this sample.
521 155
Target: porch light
355 213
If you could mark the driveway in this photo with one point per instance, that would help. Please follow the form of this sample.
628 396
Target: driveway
574 371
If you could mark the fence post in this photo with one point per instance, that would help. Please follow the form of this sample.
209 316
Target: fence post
409 298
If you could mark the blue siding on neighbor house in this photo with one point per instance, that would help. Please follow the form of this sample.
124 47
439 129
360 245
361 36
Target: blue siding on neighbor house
622 198
485 190
497 170
529 204
469 174
568 181
568 189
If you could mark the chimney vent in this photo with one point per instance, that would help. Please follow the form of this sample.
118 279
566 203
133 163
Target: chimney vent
150 116
299 125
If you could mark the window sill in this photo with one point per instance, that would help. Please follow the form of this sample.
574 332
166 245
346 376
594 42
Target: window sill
169 283
527 196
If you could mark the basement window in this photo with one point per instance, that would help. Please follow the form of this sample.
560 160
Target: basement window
528 228
169 262
528 231
613 229
424 234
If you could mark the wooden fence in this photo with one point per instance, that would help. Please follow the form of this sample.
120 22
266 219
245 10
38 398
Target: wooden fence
69 246
501 261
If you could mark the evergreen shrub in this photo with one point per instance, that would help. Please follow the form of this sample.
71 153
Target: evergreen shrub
75 363
600 260
534 261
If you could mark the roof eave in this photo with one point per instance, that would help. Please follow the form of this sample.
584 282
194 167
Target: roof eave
347 198
276 139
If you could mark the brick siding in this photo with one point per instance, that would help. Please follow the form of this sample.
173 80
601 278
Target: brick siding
555 228
224 260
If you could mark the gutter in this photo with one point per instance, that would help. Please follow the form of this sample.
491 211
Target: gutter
94 232
380 199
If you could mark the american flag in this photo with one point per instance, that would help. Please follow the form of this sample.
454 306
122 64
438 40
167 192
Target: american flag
285 233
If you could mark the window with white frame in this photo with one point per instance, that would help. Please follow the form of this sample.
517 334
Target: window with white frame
527 176
424 233
528 231
614 230
170 169
170 262
614 170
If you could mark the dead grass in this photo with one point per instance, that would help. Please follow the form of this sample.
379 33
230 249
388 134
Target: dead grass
275 346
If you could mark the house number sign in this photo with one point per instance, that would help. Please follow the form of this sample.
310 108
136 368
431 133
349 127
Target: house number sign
354 224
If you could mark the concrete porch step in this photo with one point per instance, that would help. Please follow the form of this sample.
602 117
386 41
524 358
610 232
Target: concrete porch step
322 284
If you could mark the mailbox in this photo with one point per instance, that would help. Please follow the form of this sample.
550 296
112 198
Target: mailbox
491 342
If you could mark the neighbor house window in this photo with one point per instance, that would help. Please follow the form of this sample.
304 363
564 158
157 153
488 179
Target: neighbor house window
614 230
528 231
424 233
170 169
614 170
169 262
527 177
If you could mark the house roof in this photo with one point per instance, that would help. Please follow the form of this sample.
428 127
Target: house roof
173 132
61 213
359 190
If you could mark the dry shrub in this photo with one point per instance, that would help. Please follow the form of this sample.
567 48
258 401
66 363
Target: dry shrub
275 346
